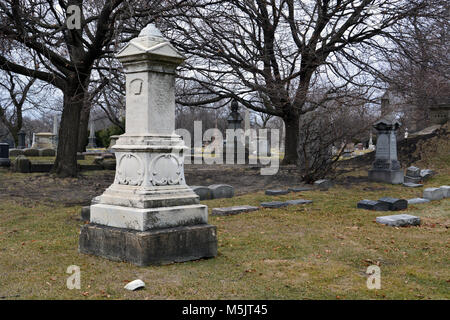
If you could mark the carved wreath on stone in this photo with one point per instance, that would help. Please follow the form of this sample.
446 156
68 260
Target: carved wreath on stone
130 170
165 169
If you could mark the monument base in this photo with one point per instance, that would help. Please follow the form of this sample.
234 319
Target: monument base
388 176
154 247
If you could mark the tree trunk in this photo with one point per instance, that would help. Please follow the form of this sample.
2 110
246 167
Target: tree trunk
83 130
66 158
291 140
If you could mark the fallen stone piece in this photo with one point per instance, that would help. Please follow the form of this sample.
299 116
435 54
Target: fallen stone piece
298 202
418 201
203 192
399 220
445 191
232 210
433 194
413 172
426 174
276 192
135 285
373 205
412 185
220 191
274 204
394 203
323 184
300 189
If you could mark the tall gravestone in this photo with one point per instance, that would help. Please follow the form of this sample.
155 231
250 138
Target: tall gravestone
21 137
4 155
235 147
149 215
386 167
92 141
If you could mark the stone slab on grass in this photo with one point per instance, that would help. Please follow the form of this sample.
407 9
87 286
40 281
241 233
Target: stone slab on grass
373 205
300 189
298 202
232 210
323 184
277 192
395 204
399 220
418 201
412 185
445 191
433 194
274 204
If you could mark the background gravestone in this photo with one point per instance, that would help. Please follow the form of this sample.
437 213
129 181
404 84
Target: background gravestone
4 155
386 167
235 146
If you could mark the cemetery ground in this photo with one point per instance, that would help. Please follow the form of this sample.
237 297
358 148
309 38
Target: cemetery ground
315 251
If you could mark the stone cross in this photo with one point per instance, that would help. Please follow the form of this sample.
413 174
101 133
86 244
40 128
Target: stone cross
149 215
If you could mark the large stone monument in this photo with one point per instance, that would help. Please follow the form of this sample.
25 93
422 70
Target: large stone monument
235 147
386 167
149 215
92 140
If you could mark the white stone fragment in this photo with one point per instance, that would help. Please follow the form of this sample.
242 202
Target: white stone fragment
433 194
445 191
399 220
135 285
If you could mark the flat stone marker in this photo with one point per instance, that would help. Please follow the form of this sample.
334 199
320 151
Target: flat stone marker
412 185
232 210
373 205
433 194
300 189
445 191
135 285
274 204
203 192
220 191
399 220
394 203
276 192
323 184
298 202
418 201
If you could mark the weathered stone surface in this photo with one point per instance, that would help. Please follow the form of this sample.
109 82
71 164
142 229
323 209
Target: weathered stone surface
276 192
15 152
22 164
389 176
298 202
149 218
274 204
418 201
154 247
135 285
373 205
323 184
204 193
220 191
86 213
232 210
433 194
300 189
445 191
47 152
4 155
394 203
412 179
412 185
426 174
31 152
413 172
400 220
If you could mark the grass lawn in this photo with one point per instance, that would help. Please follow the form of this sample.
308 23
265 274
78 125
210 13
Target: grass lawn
316 251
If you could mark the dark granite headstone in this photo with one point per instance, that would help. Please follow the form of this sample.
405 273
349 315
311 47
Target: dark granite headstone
395 204
298 202
373 205
204 193
4 155
276 192
220 191
274 204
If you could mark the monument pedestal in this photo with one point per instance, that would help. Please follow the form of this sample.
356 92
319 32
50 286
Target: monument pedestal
389 176
154 247
149 215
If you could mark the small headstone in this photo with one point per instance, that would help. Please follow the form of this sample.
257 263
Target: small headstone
394 203
413 172
300 189
135 285
433 194
276 192
204 193
412 185
232 210
400 220
323 184
298 202
220 191
426 174
274 204
372 205
418 201
4 155
445 191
